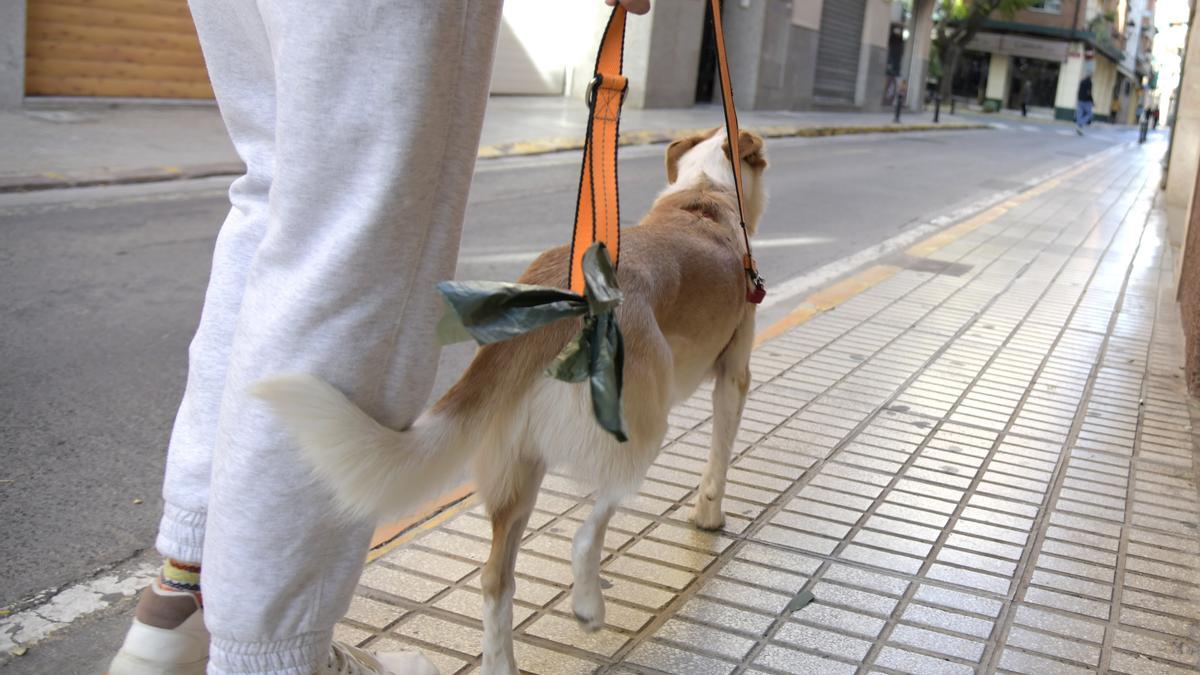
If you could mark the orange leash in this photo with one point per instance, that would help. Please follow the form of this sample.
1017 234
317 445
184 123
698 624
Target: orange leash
597 209
757 289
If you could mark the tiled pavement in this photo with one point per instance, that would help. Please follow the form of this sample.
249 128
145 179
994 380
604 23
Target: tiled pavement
981 464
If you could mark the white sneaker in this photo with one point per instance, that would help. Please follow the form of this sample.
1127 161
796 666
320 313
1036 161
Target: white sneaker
347 660
167 637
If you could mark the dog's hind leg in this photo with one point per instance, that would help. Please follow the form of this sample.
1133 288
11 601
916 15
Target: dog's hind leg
508 524
586 599
729 397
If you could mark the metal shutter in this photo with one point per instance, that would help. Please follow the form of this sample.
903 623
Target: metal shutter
119 48
838 48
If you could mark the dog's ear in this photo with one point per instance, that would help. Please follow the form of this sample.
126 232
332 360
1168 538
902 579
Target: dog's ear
675 151
750 145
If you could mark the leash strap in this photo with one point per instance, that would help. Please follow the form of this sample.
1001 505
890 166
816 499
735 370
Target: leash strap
757 289
597 208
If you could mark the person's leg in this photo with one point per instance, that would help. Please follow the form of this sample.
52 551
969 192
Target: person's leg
168 634
239 65
378 113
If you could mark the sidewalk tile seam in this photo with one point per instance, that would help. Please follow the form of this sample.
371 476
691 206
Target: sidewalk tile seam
831 458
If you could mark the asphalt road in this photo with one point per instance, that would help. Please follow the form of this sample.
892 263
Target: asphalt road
100 290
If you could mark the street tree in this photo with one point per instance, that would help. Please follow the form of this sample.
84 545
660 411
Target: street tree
957 23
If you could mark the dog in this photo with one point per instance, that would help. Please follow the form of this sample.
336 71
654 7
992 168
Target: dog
685 319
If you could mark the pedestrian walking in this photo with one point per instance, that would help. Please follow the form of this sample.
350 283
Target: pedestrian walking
1083 104
359 124
1026 96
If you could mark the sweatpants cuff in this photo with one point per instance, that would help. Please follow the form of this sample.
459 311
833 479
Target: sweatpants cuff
181 534
299 655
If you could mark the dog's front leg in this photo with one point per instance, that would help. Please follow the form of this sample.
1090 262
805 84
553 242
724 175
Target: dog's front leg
499 584
729 398
586 600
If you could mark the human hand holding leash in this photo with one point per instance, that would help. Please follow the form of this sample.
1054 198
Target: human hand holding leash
631 6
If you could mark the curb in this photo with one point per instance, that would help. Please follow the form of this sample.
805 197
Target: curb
54 180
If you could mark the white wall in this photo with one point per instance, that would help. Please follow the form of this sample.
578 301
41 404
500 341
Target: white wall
1103 79
807 13
1069 76
540 40
1133 37
877 21
998 78
1185 147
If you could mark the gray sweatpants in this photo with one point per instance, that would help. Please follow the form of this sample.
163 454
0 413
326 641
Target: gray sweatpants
359 123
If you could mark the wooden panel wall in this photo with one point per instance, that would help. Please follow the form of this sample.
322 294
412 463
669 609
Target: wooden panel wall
120 48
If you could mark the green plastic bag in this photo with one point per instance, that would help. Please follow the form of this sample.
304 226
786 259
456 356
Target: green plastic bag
494 311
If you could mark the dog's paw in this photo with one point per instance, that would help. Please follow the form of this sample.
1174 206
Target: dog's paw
708 514
589 625
589 610
505 665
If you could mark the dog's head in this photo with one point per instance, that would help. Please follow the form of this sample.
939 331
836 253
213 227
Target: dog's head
705 157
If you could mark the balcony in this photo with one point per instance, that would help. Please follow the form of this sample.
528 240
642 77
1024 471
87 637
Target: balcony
1106 34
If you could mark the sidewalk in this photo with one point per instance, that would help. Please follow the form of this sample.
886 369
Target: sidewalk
95 145
533 125
980 461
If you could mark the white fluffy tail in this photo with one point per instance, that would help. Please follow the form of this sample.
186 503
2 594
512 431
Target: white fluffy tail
374 471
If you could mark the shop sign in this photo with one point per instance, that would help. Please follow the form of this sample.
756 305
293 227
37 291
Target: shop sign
1019 45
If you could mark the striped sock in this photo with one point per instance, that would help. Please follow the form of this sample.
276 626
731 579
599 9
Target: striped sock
180 577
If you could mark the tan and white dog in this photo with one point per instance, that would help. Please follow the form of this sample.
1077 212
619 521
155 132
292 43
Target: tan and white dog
685 319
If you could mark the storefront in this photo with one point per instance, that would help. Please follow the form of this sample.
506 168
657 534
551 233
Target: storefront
970 76
1020 69
1034 82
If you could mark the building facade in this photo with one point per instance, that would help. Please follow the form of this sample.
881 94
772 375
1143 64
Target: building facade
785 54
807 54
1039 56
1182 182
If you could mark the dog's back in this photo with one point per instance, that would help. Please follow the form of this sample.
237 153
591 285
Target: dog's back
684 291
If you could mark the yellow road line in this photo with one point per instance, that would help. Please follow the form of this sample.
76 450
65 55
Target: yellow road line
945 237
832 296
424 523
826 299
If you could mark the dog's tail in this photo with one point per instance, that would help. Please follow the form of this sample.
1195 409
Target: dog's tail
373 470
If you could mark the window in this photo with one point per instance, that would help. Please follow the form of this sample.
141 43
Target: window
1051 6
